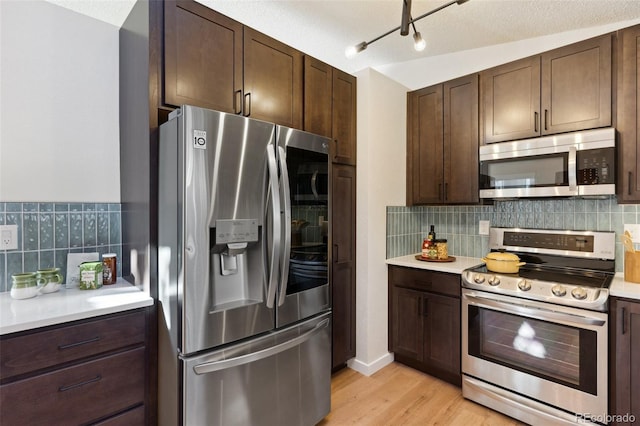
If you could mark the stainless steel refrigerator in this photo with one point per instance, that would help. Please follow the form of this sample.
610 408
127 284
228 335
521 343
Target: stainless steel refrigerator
243 222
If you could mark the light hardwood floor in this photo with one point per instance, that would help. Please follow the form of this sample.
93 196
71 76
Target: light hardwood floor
399 395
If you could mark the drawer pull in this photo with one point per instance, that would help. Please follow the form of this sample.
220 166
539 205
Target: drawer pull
73 345
77 385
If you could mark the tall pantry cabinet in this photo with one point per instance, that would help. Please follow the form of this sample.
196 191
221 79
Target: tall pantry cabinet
330 110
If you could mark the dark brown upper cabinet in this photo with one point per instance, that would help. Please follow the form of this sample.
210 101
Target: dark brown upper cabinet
203 57
330 108
318 83
344 117
214 62
562 90
272 80
628 115
442 143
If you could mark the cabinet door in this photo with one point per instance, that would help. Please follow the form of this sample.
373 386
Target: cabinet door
625 370
628 115
424 146
442 336
272 80
343 262
407 322
511 100
344 117
318 81
461 140
203 57
576 86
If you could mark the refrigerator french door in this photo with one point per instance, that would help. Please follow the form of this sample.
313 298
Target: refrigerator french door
224 248
305 207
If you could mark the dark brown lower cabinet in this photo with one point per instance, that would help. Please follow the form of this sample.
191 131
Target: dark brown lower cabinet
343 263
624 366
424 321
91 371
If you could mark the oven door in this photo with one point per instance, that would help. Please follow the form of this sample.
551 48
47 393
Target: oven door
553 354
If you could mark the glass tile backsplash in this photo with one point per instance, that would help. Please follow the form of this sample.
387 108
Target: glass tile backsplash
47 232
407 226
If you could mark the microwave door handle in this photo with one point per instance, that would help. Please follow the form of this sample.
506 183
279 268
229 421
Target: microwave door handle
286 233
572 166
314 184
275 211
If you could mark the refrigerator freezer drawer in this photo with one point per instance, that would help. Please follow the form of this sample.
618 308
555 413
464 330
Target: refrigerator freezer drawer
283 378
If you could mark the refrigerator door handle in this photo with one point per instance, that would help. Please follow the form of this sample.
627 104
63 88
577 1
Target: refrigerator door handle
210 367
286 207
275 211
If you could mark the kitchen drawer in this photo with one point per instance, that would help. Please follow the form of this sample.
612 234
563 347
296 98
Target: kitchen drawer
132 417
78 394
420 279
42 349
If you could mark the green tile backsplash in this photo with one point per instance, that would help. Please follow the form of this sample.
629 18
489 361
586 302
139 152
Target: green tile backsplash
407 226
47 232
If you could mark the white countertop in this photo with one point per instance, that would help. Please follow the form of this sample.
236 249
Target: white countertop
456 267
621 288
68 305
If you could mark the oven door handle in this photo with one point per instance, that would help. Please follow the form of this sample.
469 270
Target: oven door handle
536 313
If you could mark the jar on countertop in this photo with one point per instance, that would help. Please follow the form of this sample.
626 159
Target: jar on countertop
109 268
442 250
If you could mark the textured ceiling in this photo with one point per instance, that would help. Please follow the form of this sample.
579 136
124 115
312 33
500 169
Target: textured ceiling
324 28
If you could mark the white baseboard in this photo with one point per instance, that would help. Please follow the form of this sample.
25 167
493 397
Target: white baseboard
369 369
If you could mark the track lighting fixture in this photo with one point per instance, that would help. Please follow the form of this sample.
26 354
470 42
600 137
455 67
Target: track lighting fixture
419 43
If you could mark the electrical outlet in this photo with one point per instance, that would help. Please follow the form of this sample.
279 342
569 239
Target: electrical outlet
483 227
634 230
8 237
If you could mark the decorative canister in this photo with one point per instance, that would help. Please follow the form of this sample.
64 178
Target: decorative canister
90 275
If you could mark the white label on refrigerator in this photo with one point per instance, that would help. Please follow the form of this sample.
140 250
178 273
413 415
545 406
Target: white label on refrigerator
200 139
236 231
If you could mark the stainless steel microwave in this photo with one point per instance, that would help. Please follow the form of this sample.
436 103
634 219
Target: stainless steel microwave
564 165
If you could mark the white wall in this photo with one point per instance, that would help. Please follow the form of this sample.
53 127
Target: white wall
381 172
59 134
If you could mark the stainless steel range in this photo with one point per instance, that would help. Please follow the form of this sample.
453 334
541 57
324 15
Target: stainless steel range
534 343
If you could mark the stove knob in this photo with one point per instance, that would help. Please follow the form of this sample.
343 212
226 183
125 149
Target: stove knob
524 285
558 290
478 279
579 293
494 281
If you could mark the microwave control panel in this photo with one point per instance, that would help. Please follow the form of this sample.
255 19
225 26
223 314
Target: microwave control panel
596 166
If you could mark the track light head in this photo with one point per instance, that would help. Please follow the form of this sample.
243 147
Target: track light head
419 43
352 51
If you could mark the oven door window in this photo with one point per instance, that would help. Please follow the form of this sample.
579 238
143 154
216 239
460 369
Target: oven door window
555 352
526 172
